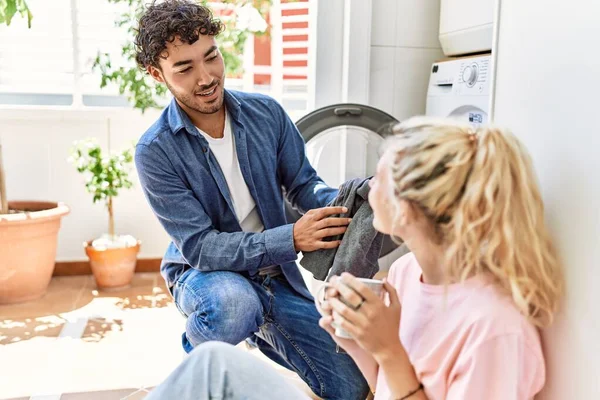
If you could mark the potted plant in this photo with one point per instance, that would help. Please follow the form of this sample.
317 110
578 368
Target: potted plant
28 229
28 241
112 257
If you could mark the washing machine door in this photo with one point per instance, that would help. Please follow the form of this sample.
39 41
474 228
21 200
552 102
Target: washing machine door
343 142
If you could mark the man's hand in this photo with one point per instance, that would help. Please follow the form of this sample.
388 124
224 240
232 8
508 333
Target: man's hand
317 224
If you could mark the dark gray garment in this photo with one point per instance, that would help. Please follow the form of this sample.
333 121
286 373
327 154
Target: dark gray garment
361 244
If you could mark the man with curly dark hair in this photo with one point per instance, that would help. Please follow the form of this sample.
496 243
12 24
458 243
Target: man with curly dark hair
213 168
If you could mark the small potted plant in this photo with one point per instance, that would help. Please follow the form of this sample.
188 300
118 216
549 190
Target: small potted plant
112 257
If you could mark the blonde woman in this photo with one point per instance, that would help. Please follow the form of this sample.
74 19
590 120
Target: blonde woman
462 309
482 274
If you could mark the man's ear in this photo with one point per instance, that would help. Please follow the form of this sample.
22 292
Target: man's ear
155 73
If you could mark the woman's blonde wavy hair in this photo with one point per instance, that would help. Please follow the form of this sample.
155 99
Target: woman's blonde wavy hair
477 187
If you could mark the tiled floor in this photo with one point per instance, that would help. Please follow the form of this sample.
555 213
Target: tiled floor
78 343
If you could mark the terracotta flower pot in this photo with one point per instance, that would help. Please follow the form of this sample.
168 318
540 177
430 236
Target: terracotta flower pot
112 268
28 249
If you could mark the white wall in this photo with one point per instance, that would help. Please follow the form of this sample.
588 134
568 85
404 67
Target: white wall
404 44
36 146
343 51
548 94
329 53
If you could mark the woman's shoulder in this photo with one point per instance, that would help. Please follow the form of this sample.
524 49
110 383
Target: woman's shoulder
493 314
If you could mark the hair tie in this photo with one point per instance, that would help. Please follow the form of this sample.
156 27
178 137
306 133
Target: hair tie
472 135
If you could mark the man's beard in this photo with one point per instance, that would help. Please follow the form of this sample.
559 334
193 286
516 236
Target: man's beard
191 101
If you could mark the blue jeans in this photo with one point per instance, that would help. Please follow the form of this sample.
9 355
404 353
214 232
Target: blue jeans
232 307
217 370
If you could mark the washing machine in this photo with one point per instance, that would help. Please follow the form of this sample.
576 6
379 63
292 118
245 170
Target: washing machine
460 88
466 26
343 142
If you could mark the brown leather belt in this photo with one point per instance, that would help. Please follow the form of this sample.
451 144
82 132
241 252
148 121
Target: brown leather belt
271 270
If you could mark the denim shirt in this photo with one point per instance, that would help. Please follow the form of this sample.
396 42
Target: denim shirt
186 189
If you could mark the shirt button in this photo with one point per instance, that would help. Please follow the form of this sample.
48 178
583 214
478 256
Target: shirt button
204 149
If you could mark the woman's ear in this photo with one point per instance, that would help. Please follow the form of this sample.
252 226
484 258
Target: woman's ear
406 213
410 213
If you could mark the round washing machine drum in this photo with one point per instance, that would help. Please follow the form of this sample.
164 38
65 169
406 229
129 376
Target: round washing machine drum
343 142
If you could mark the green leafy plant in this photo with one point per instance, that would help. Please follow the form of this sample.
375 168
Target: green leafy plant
105 175
8 9
139 88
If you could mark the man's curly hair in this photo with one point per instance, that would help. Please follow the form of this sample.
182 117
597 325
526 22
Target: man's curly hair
163 22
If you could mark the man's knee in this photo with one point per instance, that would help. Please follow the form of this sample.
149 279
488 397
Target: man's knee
228 311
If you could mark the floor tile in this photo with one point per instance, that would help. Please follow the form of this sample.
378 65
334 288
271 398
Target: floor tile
131 339
161 293
63 292
139 395
142 293
42 317
98 328
139 349
19 329
161 284
101 395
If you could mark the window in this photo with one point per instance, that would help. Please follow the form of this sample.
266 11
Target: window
51 63
96 32
36 64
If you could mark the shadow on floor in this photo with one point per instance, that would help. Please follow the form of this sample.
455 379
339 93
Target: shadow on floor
141 294
143 301
15 331
38 319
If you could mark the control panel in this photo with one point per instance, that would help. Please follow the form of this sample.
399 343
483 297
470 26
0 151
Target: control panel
475 74
464 76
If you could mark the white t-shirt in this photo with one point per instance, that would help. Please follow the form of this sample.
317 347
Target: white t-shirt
225 152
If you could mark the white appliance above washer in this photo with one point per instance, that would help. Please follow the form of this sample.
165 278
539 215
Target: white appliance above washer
466 26
460 88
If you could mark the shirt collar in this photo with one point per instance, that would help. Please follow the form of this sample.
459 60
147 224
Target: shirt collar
178 119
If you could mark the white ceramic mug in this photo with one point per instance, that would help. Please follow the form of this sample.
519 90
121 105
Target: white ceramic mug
375 285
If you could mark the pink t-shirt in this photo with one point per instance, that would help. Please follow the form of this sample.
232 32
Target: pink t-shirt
465 341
